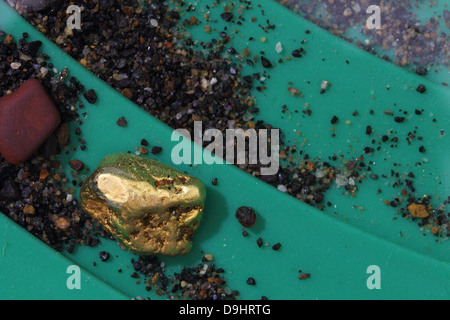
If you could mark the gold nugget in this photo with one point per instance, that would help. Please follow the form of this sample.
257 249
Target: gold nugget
148 206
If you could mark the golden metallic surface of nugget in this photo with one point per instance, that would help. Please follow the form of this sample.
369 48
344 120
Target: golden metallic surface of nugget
148 206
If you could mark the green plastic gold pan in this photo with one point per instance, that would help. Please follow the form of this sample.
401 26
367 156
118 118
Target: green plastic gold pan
335 103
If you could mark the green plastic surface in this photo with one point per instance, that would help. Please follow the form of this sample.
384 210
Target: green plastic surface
424 12
335 246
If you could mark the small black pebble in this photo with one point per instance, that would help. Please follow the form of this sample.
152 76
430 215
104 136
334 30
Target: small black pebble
104 256
31 48
422 149
399 119
421 88
296 53
334 120
246 216
368 150
227 16
251 281
276 246
266 63
259 242
156 150
421 71
231 50
90 96
214 182
144 142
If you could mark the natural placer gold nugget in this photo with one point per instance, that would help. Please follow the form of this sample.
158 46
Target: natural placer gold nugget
148 206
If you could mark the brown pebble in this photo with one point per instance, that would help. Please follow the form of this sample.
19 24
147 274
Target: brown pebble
122 122
193 21
8 39
294 91
43 174
63 135
304 276
76 165
29 209
62 223
28 117
418 210
209 257
127 93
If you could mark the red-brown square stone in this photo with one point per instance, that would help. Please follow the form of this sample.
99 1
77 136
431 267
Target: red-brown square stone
28 117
